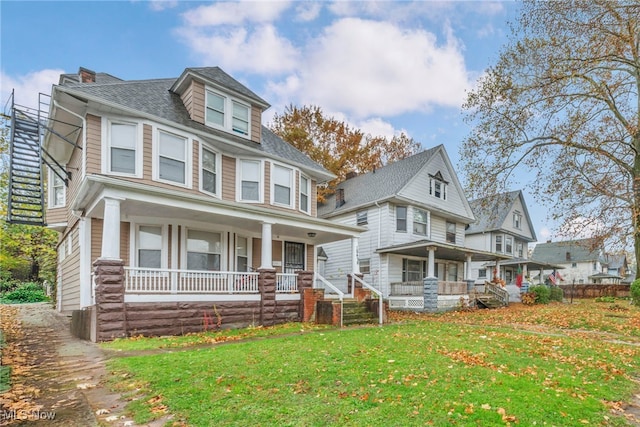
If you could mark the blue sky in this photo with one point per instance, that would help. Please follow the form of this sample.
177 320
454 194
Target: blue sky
383 67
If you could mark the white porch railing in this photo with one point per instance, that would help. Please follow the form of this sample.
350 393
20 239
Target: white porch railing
330 285
287 283
168 281
375 291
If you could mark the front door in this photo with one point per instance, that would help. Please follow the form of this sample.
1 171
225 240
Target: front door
293 257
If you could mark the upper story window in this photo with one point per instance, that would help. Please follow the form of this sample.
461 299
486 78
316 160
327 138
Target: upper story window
282 185
250 180
438 186
365 265
508 245
305 192
124 156
520 249
226 113
420 221
498 243
149 246
451 232
204 250
517 220
57 191
209 180
172 158
401 218
362 218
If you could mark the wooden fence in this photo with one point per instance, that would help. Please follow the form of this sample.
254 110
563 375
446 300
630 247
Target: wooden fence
595 290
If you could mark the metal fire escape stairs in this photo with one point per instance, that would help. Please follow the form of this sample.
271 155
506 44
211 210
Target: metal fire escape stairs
26 189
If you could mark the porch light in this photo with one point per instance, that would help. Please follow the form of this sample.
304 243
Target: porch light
311 234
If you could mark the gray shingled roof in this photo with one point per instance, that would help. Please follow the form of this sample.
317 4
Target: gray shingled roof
216 75
491 211
556 252
381 184
153 98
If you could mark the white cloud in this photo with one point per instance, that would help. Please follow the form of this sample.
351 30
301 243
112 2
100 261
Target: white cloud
260 51
28 86
307 11
160 5
235 13
376 68
376 126
581 227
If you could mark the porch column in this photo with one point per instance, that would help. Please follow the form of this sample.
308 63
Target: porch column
267 257
431 264
355 265
467 273
111 229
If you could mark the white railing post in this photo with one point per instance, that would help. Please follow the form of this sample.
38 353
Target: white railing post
375 291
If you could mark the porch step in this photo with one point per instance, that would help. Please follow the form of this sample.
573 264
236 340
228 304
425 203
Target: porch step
488 301
356 313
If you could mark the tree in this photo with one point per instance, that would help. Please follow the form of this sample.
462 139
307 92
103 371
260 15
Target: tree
336 146
562 101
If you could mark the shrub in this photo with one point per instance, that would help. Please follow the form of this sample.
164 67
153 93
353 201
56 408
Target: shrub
635 292
556 294
26 292
542 293
528 298
606 299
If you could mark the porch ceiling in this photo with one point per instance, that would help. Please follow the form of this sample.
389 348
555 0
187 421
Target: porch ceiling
443 251
531 264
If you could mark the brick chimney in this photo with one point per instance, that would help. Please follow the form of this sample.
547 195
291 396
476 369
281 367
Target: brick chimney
86 75
339 197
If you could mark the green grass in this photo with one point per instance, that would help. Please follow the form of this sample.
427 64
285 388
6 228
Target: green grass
426 371
5 371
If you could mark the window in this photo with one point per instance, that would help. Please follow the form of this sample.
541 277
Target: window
517 220
250 172
172 157
508 243
452 272
365 265
498 243
123 148
361 218
209 171
57 195
451 232
401 218
203 250
520 249
438 187
149 251
281 191
413 270
240 120
420 220
567 256
305 190
216 114
482 273
242 254
574 264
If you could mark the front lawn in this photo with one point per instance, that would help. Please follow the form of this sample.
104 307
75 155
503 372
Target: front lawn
452 369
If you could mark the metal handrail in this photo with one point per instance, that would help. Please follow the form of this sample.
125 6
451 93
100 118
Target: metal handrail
336 290
375 291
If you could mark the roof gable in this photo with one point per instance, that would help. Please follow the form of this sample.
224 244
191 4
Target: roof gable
493 213
568 251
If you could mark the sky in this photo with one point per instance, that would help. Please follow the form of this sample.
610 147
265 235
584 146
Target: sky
382 67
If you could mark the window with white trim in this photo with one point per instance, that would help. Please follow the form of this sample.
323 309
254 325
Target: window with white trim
242 254
498 243
250 180
208 171
438 186
365 265
482 273
508 243
420 222
172 157
149 246
520 249
124 150
413 270
282 185
517 220
401 218
228 114
305 192
57 190
451 232
362 218
204 250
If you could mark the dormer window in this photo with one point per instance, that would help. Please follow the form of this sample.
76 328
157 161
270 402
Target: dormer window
226 113
438 186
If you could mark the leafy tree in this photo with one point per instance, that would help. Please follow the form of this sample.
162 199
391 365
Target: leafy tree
336 146
562 101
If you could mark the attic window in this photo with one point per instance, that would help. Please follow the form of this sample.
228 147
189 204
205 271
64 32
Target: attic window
227 114
517 220
438 186
568 256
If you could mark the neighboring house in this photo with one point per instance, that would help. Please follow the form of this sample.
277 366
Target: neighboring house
581 259
415 213
178 179
502 226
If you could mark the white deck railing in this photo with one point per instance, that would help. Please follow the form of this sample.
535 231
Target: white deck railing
287 283
168 281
